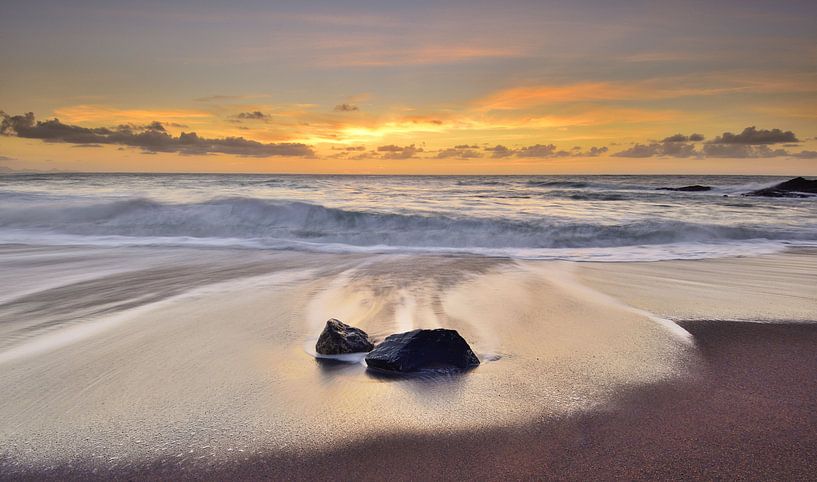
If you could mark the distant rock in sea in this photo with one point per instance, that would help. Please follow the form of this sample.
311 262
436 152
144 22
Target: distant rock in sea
338 338
422 350
693 188
797 187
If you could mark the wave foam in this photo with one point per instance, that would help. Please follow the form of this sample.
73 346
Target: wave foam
298 225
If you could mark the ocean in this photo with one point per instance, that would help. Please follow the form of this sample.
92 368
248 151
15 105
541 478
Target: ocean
580 218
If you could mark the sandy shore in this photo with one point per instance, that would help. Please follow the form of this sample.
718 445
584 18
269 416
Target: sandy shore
748 414
145 362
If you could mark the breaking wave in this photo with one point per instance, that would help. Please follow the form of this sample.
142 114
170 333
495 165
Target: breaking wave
287 224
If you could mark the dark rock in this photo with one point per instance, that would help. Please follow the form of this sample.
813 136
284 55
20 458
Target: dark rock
422 350
797 187
338 338
693 188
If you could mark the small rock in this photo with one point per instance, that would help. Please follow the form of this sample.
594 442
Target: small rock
421 350
338 338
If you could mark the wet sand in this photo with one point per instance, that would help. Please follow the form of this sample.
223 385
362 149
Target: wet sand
750 413
197 363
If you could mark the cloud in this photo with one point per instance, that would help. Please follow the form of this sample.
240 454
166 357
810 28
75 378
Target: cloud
255 115
641 150
500 151
150 138
346 108
678 145
349 148
660 149
657 88
538 150
753 136
750 143
742 151
459 152
683 138
649 89
399 152
594 151
806 155
6 158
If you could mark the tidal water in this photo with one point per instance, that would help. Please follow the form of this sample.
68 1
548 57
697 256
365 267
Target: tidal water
602 218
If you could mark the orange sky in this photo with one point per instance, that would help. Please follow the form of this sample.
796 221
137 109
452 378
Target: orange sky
383 87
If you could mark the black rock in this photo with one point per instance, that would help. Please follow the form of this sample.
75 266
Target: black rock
694 188
797 187
422 350
338 338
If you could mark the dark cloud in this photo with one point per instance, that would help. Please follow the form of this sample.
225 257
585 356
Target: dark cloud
753 136
86 145
750 143
641 150
399 152
149 138
365 155
346 108
538 150
672 148
742 151
466 146
458 152
390 148
500 151
660 149
6 158
255 115
678 149
678 145
806 154
595 151
349 148
683 138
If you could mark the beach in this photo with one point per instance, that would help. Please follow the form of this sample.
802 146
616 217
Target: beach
408 241
176 362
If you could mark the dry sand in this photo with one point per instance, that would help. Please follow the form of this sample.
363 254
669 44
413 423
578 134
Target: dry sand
198 362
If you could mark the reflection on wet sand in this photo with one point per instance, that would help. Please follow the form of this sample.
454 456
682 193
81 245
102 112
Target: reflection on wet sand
210 357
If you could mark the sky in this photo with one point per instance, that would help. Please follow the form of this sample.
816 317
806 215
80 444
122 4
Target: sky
410 87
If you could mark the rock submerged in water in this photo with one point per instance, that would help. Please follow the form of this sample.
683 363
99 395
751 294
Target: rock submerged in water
797 187
338 338
693 188
423 350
